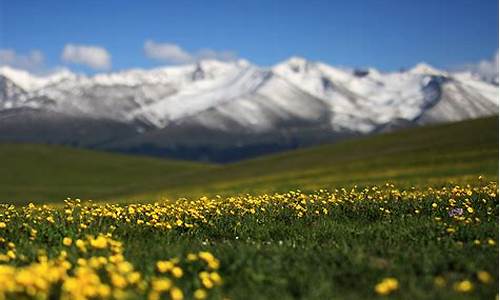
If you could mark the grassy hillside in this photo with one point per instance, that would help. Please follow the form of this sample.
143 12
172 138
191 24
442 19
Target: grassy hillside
42 173
419 156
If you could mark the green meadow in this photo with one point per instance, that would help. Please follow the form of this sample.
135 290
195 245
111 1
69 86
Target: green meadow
432 155
405 215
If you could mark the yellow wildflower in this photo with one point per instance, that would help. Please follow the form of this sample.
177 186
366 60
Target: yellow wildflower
176 294
177 272
464 286
200 294
164 266
387 286
67 241
100 242
161 284
484 277
118 281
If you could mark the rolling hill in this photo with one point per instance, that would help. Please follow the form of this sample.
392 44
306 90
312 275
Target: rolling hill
42 173
225 111
427 155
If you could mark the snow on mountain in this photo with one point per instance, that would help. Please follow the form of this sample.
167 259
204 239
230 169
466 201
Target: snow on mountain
30 82
270 103
131 94
426 69
205 88
238 96
365 100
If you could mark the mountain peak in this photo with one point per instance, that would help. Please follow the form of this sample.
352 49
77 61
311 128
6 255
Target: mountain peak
297 60
212 104
296 63
29 81
424 68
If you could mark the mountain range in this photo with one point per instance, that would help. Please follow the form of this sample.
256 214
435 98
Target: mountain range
225 111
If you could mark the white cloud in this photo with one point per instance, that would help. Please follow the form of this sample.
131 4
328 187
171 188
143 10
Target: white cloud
174 54
487 69
33 61
94 57
166 52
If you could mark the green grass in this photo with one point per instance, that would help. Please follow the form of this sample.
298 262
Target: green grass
421 156
431 155
42 173
365 235
277 254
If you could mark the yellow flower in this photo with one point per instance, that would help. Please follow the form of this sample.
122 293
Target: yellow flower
118 281
134 277
177 272
103 291
464 286
67 241
80 244
125 267
215 277
484 277
470 209
207 283
200 294
206 256
176 294
164 266
100 242
387 286
3 225
161 284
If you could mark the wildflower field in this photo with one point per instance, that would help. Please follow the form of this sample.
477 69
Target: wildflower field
354 243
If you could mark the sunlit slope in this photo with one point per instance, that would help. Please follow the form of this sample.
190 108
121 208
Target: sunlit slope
42 173
429 155
422 156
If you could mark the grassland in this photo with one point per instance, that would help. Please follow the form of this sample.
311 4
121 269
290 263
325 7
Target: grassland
422 156
379 242
41 173
430 234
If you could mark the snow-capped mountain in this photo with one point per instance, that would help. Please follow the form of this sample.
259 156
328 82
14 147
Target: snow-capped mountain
218 107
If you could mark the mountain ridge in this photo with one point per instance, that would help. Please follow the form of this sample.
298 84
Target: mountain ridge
230 104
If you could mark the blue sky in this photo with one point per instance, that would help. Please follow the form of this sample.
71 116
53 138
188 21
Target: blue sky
386 34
